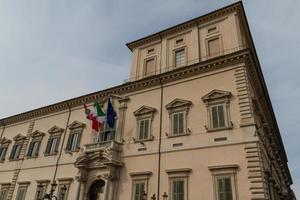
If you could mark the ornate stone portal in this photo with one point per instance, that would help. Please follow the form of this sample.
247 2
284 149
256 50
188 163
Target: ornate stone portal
98 163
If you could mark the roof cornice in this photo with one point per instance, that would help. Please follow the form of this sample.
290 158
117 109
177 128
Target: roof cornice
186 25
126 88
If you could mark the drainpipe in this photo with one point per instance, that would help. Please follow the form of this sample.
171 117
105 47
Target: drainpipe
62 143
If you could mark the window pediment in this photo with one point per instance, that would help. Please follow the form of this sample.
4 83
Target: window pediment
4 140
55 129
37 133
178 103
144 110
215 95
76 124
19 137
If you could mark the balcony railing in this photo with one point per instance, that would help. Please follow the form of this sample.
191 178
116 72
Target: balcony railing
188 62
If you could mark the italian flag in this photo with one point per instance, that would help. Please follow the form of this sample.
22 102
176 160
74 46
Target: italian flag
97 116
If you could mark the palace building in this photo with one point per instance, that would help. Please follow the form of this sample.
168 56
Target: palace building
193 121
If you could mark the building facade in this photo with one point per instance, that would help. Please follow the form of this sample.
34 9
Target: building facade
194 121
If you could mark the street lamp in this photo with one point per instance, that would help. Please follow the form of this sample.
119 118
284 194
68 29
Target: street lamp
165 196
144 195
153 197
50 196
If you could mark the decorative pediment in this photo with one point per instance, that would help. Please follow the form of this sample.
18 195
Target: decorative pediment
4 140
144 110
177 103
37 133
76 124
55 129
91 160
216 94
19 137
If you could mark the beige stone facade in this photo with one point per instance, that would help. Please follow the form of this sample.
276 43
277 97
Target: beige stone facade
194 121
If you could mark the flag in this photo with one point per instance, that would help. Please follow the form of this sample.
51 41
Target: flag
97 116
110 114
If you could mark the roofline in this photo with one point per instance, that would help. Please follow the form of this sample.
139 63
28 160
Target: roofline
183 24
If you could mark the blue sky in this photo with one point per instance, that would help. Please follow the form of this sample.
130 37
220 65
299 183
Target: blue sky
53 50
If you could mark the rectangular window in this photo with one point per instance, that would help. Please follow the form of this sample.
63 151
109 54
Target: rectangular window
218 116
178 123
3 150
52 145
139 190
62 192
224 188
15 152
180 58
178 189
21 193
3 194
144 127
214 47
106 133
74 140
33 149
149 67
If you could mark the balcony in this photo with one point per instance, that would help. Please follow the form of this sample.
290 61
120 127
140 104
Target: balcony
101 146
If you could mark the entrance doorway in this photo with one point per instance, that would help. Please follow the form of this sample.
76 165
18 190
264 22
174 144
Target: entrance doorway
96 191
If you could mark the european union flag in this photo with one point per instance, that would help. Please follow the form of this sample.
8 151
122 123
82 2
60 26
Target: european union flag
111 114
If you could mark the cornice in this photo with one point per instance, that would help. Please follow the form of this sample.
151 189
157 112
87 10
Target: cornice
185 25
177 74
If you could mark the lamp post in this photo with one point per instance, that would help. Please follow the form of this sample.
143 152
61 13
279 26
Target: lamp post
153 197
144 195
165 196
50 196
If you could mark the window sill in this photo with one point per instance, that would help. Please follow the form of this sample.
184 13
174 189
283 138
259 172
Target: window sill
15 159
219 129
179 135
31 157
72 151
144 140
50 154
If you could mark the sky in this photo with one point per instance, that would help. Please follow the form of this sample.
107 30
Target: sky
53 50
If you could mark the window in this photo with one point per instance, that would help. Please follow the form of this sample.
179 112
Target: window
35 143
149 68
4 191
76 129
41 191
178 123
53 141
144 127
140 182
224 188
217 116
180 57
16 150
224 181
214 47
21 194
106 133
178 179
144 116
4 143
74 140
217 103
178 112
178 189
139 190
63 188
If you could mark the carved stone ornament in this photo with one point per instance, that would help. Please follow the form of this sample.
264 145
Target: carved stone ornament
4 140
144 110
55 129
215 95
19 137
76 124
37 133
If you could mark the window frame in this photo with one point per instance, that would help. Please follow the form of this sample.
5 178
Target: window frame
148 120
181 174
22 186
140 177
142 114
217 98
54 133
45 184
4 190
19 141
76 128
175 107
211 38
35 144
4 145
183 48
64 182
154 58
228 171
184 121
